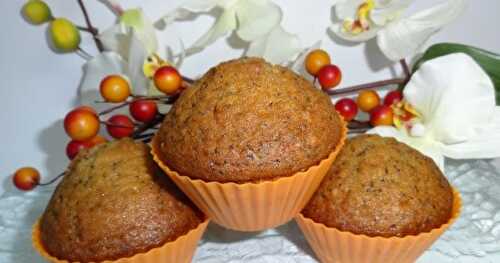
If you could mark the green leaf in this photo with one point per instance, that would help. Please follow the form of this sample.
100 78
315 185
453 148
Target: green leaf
489 61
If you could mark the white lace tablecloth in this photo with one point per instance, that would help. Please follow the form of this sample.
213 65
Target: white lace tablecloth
475 237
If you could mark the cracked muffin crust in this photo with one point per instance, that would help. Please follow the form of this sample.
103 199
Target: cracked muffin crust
380 187
114 202
248 121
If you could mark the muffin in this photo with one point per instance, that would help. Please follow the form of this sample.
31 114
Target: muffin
383 198
114 203
247 122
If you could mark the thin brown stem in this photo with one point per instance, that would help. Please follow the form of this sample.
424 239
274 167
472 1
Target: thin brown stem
85 29
358 131
145 136
84 54
188 80
371 85
53 180
107 123
146 126
93 30
356 126
406 69
113 108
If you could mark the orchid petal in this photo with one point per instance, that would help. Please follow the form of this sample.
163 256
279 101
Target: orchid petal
405 37
143 26
182 54
224 24
386 11
298 64
361 37
484 145
118 39
347 9
197 6
277 47
256 18
137 55
423 145
102 65
115 39
454 96
185 10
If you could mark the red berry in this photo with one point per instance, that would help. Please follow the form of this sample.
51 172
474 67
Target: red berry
26 178
392 97
120 126
347 108
381 115
74 147
329 76
143 110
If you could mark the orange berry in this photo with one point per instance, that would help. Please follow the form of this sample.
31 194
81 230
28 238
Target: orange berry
381 115
26 178
167 80
87 108
316 60
367 100
81 124
114 89
98 139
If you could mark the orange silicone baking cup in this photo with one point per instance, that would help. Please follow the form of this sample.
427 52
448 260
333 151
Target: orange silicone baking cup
253 206
181 250
332 245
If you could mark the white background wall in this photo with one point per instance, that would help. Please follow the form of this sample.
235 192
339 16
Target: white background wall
38 87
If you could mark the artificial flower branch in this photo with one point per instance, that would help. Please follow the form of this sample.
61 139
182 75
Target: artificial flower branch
91 28
376 84
406 69
371 85
53 179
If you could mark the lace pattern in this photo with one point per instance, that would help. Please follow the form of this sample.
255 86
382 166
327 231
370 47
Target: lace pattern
475 237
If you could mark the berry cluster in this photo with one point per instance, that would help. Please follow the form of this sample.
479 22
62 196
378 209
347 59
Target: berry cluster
83 123
318 64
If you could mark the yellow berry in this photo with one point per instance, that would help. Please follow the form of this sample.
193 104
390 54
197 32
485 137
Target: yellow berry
64 34
316 60
36 12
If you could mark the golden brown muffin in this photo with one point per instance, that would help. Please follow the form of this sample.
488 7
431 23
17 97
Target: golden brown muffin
247 121
380 187
114 202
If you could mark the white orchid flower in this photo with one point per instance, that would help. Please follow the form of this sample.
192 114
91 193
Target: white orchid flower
457 115
132 52
398 37
254 21
111 63
271 46
117 37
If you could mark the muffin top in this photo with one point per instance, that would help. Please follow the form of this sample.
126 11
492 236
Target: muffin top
247 121
114 202
380 187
